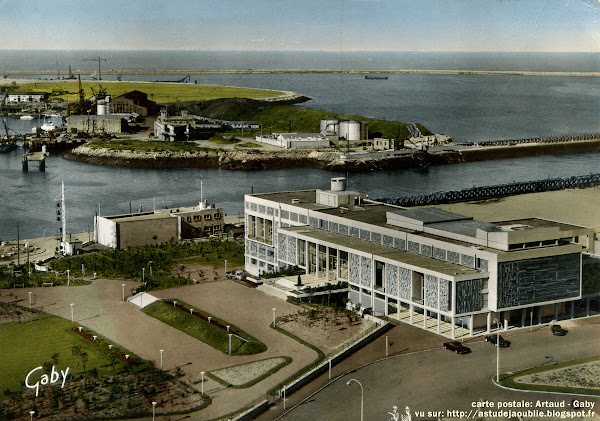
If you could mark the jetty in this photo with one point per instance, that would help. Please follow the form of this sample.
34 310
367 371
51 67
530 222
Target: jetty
34 157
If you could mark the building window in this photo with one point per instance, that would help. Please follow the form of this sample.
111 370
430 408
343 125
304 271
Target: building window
207 217
217 216
196 217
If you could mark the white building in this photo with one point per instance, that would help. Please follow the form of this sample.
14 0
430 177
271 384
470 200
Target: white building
27 97
437 270
295 140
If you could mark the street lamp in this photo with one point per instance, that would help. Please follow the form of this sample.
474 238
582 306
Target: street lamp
31 414
274 317
153 410
150 264
72 311
202 387
143 274
361 397
161 358
29 299
123 286
497 351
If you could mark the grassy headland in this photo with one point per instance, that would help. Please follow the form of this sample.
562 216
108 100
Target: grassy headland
157 92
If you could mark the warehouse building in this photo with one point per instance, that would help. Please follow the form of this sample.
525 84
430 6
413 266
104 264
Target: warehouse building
158 226
133 102
98 123
26 97
437 270
295 140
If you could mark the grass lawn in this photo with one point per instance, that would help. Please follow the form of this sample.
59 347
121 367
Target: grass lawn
212 257
143 145
514 380
200 329
157 92
32 343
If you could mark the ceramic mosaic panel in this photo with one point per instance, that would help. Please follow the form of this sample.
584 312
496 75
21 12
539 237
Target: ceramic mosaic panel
376 238
431 291
253 206
293 216
354 268
388 241
262 250
333 227
365 271
482 264
405 283
439 254
270 211
426 250
303 219
285 214
261 209
292 250
354 232
445 295
282 249
414 247
323 224
391 279
399 244
365 235
313 222
468 296
454 257
343 230
468 261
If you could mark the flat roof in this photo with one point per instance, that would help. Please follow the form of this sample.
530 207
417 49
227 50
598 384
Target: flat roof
417 260
539 223
143 216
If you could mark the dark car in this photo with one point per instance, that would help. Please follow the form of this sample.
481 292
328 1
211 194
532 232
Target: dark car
457 347
502 343
558 330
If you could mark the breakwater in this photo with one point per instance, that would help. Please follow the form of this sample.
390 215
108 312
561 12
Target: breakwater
502 190
238 159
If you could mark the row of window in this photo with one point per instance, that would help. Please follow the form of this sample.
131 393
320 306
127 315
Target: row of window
205 217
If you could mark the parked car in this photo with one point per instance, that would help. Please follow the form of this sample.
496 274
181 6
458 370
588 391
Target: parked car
557 330
457 347
238 274
502 343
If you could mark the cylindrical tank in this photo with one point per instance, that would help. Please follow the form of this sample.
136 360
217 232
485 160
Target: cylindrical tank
350 130
364 130
338 184
329 126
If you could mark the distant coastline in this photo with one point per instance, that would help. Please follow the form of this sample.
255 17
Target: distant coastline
316 71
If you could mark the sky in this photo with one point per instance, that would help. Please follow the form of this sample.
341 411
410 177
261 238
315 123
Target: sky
302 25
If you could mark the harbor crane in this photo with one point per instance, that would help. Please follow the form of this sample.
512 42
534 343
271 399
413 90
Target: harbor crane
99 59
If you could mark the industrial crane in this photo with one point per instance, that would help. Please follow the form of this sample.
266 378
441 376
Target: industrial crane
99 59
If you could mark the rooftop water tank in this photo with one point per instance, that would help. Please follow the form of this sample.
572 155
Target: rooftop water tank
338 184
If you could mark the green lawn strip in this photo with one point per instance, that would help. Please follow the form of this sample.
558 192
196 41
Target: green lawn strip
320 358
128 264
146 145
510 380
157 92
45 336
201 330
263 376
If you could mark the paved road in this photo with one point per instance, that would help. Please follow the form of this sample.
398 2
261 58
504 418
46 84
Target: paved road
439 380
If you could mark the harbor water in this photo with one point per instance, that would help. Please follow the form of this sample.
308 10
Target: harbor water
466 107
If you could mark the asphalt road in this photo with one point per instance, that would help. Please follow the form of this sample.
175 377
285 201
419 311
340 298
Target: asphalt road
437 382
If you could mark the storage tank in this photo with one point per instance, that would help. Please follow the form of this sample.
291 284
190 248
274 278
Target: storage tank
350 130
329 126
103 106
364 130
338 184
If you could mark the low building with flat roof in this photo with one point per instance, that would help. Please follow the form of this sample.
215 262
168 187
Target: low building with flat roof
110 123
434 269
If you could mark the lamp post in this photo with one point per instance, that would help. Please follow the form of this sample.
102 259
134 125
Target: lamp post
497 351
143 274
72 311
123 286
153 410
150 264
202 384
161 358
31 415
29 299
361 397
274 317
68 277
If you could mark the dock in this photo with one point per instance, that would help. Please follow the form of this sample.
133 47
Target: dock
34 157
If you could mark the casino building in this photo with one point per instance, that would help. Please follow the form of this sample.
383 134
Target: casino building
437 270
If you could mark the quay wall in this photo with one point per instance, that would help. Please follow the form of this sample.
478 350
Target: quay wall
261 160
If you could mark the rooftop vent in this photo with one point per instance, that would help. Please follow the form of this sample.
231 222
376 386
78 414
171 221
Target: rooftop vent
295 201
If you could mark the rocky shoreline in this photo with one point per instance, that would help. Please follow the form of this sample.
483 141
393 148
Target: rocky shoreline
252 160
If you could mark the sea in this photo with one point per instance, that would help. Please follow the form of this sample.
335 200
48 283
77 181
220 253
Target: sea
469 108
